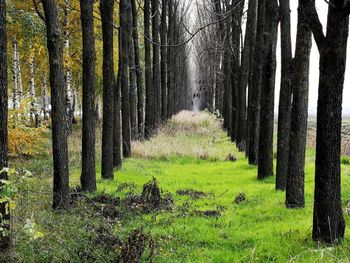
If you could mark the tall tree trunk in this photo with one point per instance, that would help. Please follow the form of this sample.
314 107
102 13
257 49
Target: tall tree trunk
133 87
33 104
285 102
125 30
156 61
15 99
4 213
171 59
255 89
88 174
68 76
244 74
299 114
107 8
117 143
328 222
139 72
58 95
265 159
163 41
45 102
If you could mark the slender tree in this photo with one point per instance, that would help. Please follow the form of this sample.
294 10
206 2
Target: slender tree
150 111
156 60
88 175
171 59
163 54
244 74
58 95
285 102
117 139
107 7
328 222
125 31
139 72
298 128
255 89
4 213
265 158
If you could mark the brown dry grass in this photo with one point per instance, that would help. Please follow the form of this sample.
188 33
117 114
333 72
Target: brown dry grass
188 134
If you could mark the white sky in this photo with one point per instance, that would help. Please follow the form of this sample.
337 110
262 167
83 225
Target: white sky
314 65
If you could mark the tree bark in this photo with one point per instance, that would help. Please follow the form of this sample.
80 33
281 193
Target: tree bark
299 114
149 121
106 7
328 222
171 59
58 96
265 159
163 41
255 89
117 137
139 72
244 75
88 175
156 61
133 84
285 102
125 25
4 215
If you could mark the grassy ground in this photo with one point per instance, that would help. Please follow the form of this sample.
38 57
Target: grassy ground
188 154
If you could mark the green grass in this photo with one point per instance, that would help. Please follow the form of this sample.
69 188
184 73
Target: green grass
260 229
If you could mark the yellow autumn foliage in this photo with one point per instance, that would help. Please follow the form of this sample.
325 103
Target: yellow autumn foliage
24 138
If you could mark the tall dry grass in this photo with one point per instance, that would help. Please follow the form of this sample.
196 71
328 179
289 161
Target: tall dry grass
188 134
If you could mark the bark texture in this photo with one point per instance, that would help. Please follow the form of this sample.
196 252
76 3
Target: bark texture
88 175
106 7
58 96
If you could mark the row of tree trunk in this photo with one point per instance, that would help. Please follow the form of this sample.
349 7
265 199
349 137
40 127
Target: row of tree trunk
242 88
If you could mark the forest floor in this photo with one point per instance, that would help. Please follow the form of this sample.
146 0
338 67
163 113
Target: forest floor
210 209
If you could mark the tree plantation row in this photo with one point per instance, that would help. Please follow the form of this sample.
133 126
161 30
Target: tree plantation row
141 62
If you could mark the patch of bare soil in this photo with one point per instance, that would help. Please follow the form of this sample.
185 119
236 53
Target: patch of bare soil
191 193
106 239
151 199
207 213
231 158
135 246
240 198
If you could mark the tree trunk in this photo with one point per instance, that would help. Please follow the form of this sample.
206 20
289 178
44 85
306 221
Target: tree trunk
117 143
107 7
156 61
265 159
139 72
285 102
4 215
15 100
133 87
125 26
244 75
88 175
149 122
299 114
45 103
171 59
255 89
328 223
68 76
58 95
163 41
